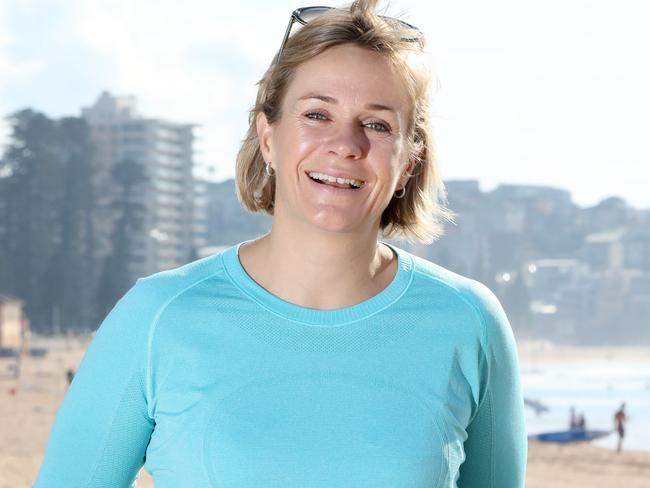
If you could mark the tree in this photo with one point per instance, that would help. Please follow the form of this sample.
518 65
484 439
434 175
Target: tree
73 259
116 276
33 169
46 199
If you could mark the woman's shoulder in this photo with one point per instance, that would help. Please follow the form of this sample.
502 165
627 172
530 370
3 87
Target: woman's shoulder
149 294
477 296
176 279
464 286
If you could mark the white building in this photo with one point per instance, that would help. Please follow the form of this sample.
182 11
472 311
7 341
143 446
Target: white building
173 225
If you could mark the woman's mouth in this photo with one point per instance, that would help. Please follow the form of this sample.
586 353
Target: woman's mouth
327 182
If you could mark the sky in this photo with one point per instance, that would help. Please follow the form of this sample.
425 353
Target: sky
550 93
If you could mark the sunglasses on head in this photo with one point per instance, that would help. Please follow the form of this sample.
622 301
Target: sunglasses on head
305 14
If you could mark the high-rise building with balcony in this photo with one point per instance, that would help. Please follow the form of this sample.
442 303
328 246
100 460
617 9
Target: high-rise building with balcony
171 228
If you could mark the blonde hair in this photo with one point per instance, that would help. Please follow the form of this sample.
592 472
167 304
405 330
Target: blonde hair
418 215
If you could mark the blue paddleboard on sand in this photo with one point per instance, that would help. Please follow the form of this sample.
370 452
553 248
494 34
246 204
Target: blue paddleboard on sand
569 436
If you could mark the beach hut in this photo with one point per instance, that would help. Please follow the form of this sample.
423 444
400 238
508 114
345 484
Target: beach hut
13 323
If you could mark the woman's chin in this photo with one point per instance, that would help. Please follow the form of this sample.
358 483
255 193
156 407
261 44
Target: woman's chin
337 221
324 214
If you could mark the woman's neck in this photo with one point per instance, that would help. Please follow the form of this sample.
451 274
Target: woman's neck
317 274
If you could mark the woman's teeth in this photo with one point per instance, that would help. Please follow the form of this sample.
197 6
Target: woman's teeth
332 179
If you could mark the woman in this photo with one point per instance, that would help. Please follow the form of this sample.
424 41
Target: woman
315 355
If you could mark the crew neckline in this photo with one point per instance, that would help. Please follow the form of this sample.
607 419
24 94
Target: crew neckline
314 316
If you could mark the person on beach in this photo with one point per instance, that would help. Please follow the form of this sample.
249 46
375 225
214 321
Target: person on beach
577 421
69 374
620 418
573 419
316 355
581 424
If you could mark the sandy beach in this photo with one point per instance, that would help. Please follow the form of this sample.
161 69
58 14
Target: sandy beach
539 352
580 465
28 406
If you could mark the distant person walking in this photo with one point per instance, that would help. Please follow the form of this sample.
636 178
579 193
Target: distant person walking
619 424
69 375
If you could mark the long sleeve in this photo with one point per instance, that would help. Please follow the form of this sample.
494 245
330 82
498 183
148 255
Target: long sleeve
496 446
218 382
102 428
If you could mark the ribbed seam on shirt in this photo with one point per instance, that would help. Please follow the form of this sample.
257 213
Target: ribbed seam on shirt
384 306
310 324
484 340
484 337
152 327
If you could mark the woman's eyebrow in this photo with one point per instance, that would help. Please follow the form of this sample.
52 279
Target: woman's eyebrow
328 99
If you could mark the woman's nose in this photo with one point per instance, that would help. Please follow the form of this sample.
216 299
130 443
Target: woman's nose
348 141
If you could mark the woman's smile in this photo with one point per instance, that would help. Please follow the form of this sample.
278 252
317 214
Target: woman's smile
340 181
335 189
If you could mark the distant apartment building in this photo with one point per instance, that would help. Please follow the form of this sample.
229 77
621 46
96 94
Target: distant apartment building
174 222
531 222
228 222
609 214
496 231
464 246
603 251
636 248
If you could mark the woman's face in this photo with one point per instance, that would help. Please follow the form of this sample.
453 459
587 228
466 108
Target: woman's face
344 114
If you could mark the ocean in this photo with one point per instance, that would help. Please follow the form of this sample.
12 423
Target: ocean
595 388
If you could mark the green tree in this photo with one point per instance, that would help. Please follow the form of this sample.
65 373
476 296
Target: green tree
116 276
73 256
46 201
33 167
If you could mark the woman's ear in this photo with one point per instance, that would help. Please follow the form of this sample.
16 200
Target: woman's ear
264 135
407 174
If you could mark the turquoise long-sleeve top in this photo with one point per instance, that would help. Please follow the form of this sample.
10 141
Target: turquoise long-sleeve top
208 380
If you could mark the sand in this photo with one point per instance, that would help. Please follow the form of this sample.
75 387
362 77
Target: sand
581 465
540 352
27 415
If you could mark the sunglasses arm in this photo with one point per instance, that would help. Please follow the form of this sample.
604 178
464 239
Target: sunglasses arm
286 35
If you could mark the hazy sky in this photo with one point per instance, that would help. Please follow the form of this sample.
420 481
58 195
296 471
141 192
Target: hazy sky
553 92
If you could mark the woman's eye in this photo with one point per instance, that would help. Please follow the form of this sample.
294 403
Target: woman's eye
378 126
316 116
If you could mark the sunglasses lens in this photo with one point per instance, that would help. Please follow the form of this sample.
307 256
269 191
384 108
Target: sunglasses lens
308 14
303 16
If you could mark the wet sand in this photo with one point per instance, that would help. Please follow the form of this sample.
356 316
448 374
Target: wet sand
27 415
